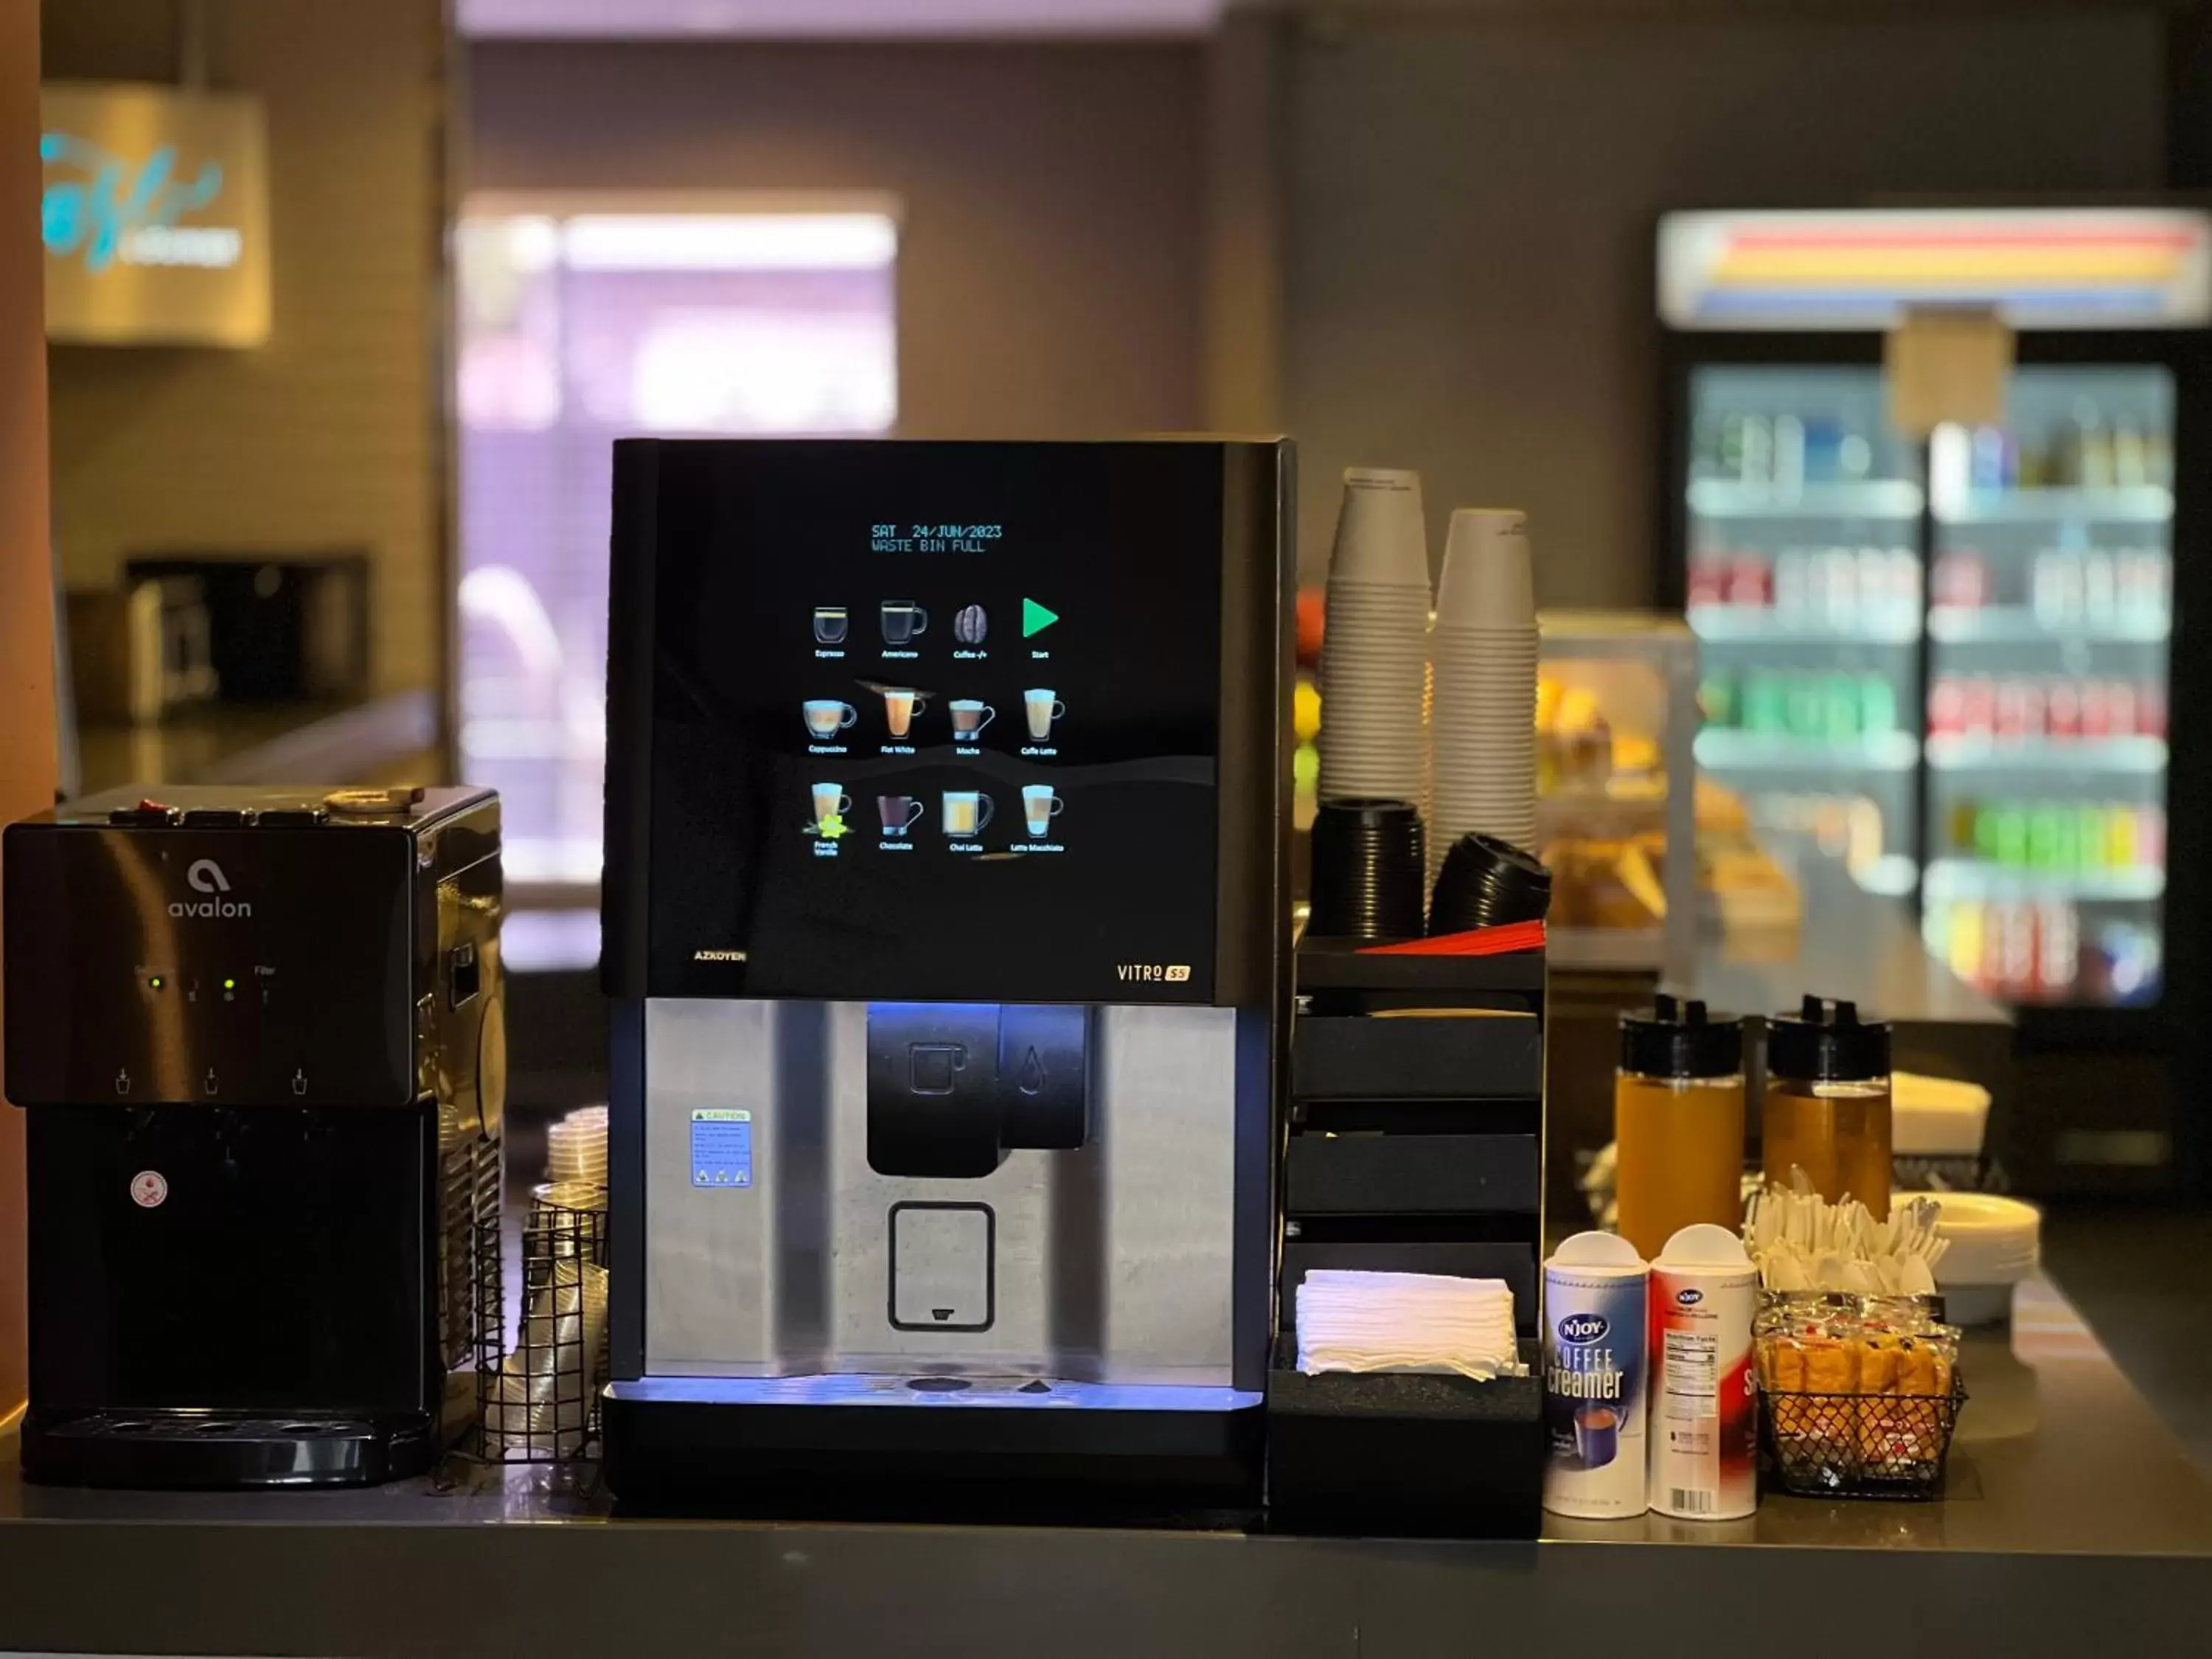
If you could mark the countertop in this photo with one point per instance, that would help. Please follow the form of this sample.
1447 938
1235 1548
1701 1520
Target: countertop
2072 1517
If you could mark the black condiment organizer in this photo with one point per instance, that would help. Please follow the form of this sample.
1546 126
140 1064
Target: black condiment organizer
1413 1145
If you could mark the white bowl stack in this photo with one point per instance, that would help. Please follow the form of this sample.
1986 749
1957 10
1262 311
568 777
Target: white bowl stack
1485 653
1375 646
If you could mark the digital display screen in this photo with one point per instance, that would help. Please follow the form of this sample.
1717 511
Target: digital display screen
936 720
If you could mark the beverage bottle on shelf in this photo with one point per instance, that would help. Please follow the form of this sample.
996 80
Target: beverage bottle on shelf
1877 704
2011 709
1870 579
1766 702
2150 837
2099 589
2035 462
1789 584
1758 450
1962 818
1750 587
2093 439
2158 456
1824 443
2096 710
1789 456
1977 706
1808 707
2150 709
2061 707
1842 708
2092 837
2120 701
1987 466
1716 699
1730 443
1947 700
2122 850
1708 580
2042 837
2130 458
2058 949
2010 836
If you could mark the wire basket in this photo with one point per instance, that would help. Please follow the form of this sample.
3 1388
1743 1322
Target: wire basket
541 1404
1860 1445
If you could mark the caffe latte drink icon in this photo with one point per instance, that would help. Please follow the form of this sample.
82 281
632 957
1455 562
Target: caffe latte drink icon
1041 708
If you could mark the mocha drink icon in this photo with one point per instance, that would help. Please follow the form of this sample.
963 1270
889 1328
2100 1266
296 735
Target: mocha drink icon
970 717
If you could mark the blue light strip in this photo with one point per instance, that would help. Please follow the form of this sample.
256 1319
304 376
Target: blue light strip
870 1388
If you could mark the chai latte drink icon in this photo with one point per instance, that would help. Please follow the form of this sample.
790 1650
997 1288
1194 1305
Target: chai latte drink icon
1039 807
898 708
1043 707
902 620
966 812
898 813
826 717
970 717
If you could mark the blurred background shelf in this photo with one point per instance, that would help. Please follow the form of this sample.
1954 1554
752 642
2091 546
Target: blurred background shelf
1724 624
1882 751
1953 624
2132 504
1970 878
1949 753
1873 498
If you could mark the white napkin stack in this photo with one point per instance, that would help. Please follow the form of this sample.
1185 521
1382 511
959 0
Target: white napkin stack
1350 1320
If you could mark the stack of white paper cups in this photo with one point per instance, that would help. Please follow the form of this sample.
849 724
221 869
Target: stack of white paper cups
1485 651
1374 662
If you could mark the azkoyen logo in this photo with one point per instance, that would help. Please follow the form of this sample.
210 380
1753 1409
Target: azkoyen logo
206 876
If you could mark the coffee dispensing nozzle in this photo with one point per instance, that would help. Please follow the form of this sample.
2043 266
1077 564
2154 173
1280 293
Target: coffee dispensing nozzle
954 1087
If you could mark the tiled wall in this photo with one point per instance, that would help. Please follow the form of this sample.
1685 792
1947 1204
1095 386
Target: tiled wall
328 436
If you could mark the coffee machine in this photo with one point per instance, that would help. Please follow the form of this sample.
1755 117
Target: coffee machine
258 1038
946 927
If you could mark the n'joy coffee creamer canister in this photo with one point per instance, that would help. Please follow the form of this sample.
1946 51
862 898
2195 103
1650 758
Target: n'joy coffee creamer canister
1595 1355
1704 1393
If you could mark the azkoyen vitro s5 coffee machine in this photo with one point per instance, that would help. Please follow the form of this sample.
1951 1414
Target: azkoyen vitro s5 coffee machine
947 801
258 1039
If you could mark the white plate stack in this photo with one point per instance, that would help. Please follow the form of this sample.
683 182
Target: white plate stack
1375 645
1485 716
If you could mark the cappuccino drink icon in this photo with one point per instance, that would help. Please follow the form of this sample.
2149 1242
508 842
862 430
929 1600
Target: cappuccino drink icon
826 717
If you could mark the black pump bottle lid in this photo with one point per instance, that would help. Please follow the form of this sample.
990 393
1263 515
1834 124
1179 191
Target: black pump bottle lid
1826 1041
1677 1038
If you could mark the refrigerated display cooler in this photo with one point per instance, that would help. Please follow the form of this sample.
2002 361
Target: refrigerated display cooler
1960 651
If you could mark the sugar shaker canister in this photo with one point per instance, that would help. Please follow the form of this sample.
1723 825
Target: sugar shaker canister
1826 1109
1678 1122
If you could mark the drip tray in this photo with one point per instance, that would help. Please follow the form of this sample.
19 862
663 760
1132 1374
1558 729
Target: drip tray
176 1449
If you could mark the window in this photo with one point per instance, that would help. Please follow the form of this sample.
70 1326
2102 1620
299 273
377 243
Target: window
579 327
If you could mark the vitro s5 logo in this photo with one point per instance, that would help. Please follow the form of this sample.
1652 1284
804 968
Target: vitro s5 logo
1172 973
206 876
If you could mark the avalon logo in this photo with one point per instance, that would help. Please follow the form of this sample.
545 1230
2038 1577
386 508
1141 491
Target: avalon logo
206 876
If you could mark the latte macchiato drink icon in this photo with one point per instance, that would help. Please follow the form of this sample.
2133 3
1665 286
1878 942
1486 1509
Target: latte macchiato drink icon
1043 707
1040 806
831 623
902 620
830 801
826 717
898 708
967 811
898 813
970 717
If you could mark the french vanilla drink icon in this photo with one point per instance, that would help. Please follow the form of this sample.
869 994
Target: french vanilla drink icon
970 717
830 801
1039 807
898 814
966 812
1041 708
898 708
902 620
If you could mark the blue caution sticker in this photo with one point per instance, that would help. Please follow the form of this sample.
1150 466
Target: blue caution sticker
721 1147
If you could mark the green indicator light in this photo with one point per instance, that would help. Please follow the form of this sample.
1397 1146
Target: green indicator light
230 985
156 981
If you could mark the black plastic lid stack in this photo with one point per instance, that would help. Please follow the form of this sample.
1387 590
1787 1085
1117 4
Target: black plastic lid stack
1677 1038
1826 1041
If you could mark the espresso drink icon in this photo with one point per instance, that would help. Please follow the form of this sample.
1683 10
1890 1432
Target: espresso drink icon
902 620
1043 707
898 708
826 717
1040 806
899 813
966 812
830 801
970 717
831 623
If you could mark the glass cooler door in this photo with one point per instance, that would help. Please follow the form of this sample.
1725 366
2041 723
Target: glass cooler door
1804 589
2050 601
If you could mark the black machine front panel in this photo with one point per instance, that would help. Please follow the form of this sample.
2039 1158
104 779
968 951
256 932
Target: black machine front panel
224 967
936 720
231 1260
